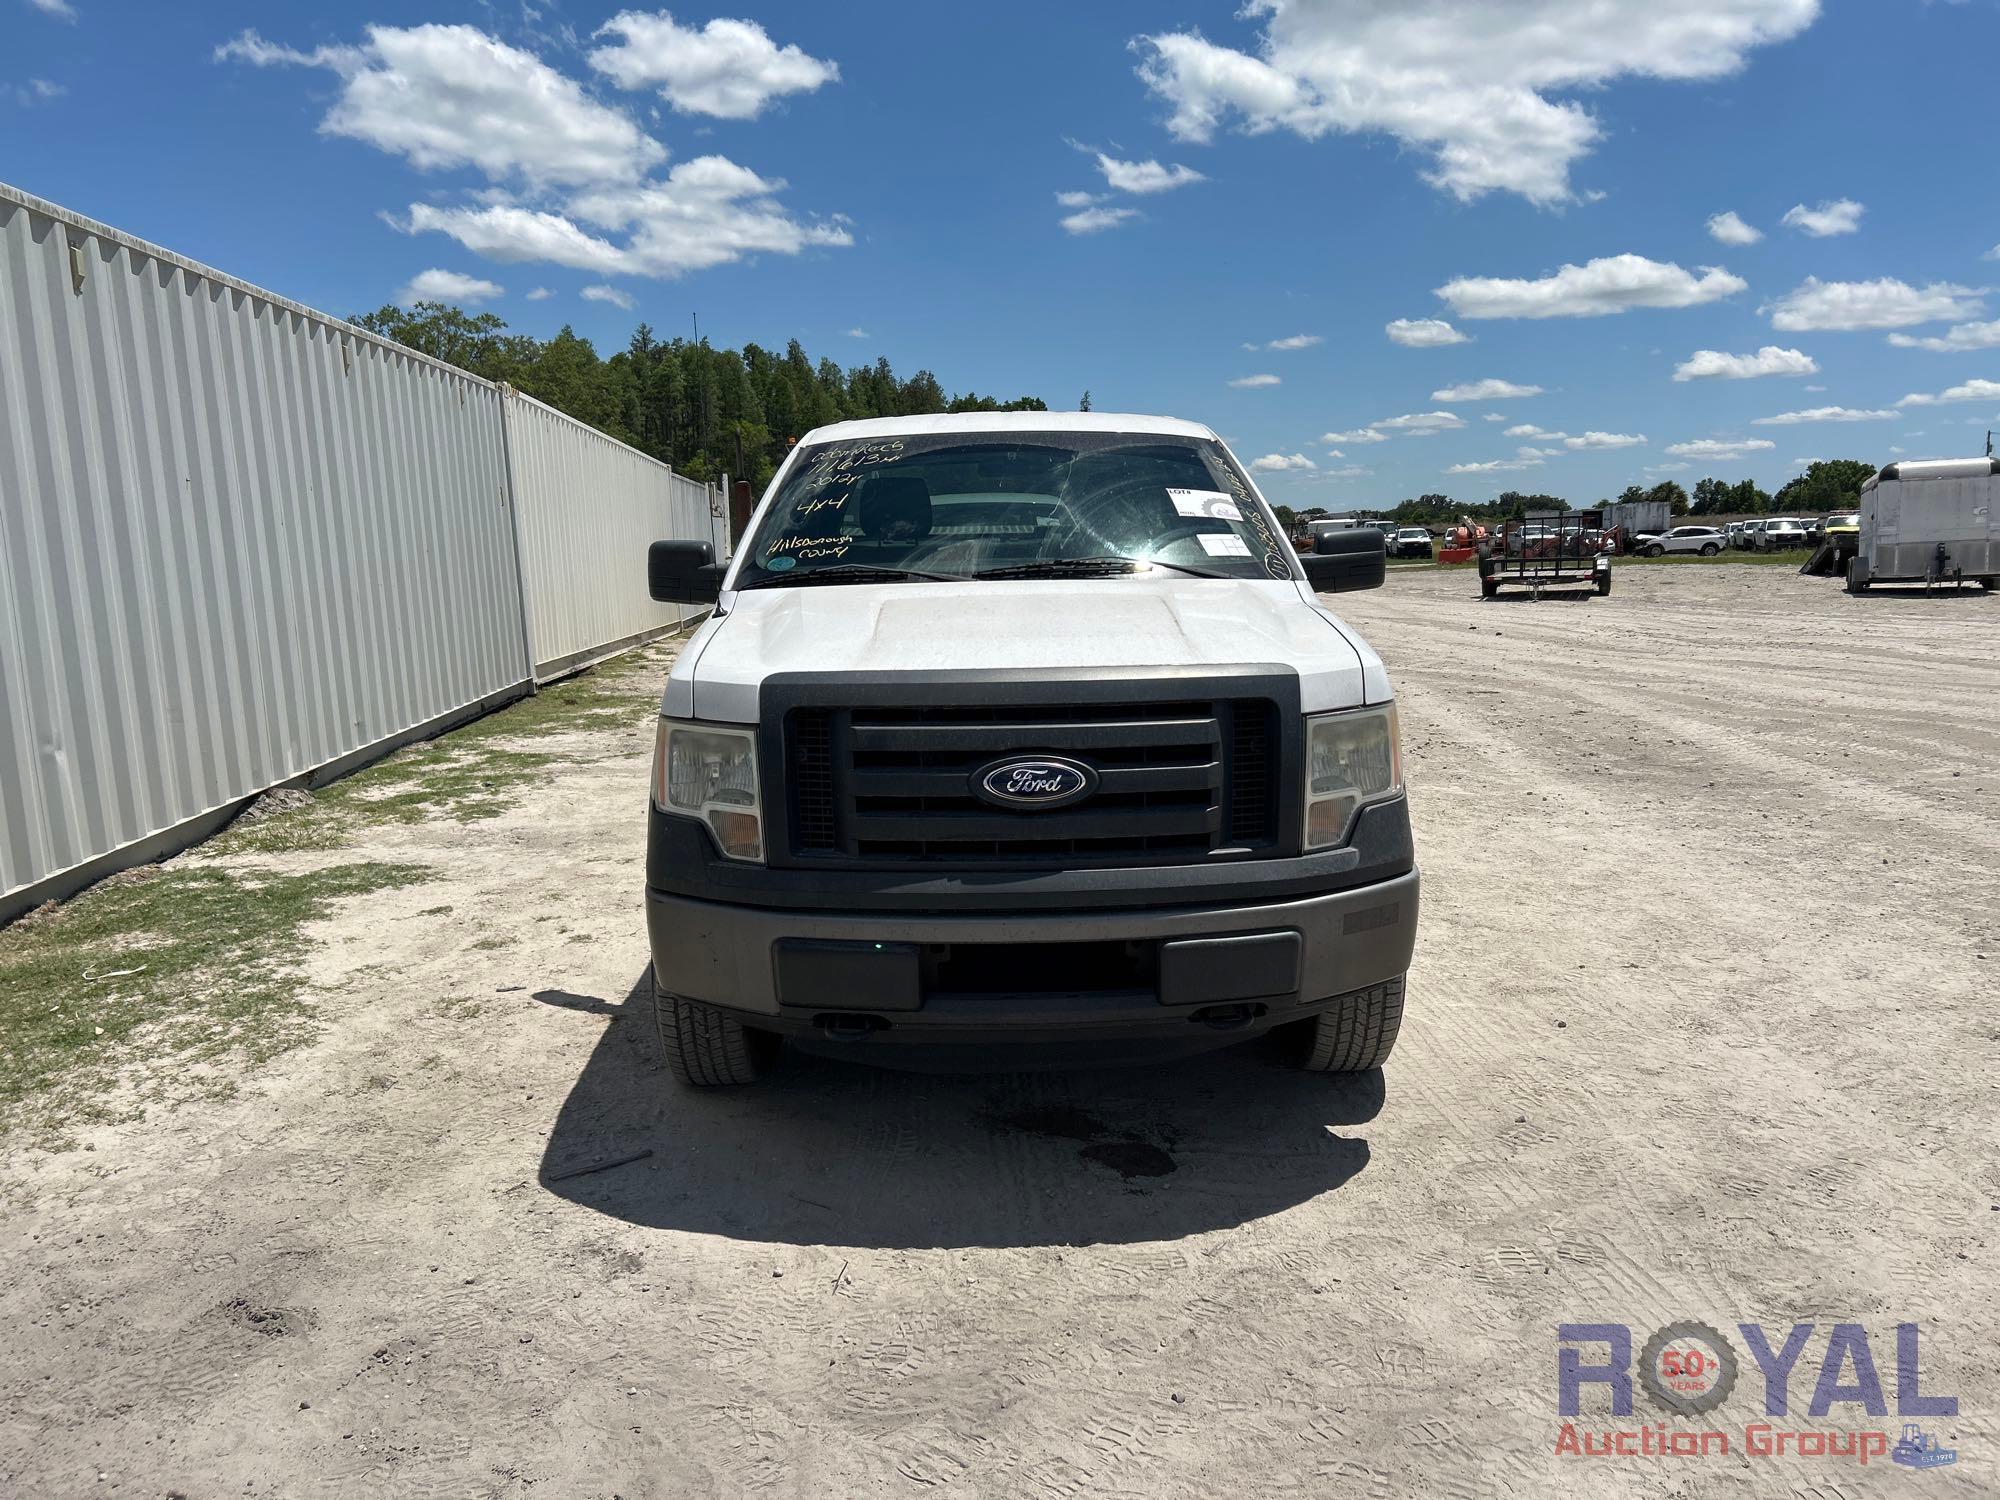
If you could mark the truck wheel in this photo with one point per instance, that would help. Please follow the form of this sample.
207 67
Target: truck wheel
1656 550
1488 587
1356 1032
1857 575
1604 583
1709 549
706 1048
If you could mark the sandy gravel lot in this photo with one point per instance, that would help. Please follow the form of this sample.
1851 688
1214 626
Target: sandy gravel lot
1701 1026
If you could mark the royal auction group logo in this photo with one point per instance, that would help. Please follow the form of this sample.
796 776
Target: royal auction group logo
1691 1369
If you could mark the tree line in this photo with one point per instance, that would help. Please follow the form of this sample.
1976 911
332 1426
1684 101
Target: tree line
706 411
1828 485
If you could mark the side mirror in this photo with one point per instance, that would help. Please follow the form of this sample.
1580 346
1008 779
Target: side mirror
1345 560
683 572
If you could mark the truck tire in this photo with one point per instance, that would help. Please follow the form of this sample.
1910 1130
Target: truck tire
1356 1032
1488 587
1857 574
1603 583
706 1048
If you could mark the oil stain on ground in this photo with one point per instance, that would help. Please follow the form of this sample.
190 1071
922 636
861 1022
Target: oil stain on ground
1125 1154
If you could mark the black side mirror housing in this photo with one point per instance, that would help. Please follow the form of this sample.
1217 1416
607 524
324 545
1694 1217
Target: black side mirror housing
1342 561
684 572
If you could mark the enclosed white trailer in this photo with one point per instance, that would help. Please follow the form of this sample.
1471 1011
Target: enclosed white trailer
1931 521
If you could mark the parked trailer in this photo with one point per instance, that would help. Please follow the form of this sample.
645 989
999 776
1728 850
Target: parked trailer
1932 521
1555 549
1631 518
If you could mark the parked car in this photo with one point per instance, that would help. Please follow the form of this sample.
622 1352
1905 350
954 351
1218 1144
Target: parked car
1746 539
1412 541
1781 534
1704 541
1093 779
1815 529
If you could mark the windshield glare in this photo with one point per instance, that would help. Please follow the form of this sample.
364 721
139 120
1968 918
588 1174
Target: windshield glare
958 506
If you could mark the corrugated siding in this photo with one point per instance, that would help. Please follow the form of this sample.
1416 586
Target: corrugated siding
588 508
238 541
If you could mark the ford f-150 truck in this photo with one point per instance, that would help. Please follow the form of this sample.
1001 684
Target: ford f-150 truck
1024 727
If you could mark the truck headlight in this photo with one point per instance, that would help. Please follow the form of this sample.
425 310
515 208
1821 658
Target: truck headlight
711 773
1352 759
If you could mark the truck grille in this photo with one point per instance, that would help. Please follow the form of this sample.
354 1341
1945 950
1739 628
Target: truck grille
1178 781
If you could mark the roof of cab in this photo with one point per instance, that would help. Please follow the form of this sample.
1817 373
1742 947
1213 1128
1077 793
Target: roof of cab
1004 421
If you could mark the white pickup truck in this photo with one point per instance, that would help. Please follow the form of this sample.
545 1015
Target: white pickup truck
1024 728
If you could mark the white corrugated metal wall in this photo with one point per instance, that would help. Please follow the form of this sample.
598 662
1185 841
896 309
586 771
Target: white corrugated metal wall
240 541
587 508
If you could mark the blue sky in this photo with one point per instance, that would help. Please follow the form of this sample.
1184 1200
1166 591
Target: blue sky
883 180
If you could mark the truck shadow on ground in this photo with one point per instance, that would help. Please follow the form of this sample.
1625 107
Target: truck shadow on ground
842 1153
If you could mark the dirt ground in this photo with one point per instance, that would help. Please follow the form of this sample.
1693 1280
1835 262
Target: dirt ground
1701 1026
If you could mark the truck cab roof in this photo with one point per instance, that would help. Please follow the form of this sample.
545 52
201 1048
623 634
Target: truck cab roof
1006 421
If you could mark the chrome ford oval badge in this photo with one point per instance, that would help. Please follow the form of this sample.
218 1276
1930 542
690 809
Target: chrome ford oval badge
1034 782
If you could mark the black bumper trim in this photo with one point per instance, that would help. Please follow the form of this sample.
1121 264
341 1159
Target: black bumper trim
681 860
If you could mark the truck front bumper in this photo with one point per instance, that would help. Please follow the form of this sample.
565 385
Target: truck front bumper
1215 973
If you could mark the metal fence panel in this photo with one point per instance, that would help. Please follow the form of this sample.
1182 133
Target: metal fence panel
238 541
588 507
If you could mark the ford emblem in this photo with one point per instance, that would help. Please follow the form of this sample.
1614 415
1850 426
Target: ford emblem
1034 782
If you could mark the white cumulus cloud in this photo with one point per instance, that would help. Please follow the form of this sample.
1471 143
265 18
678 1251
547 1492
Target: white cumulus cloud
1972 390
1729 229
1281 463
1594 441
1358 435
62 10
1840 216
1611 284
452 96
1524 458
1486 390
1816 306
1473 84
1145 176
1076 199
439 285
1254 382
1097 220
1289 342
1713 364
1424 333
728 69
610 294
1530 430
1420 423
1719 449
447 97
541 294
1825 414
1958 339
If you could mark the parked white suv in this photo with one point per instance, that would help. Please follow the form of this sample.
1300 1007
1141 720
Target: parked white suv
1705 541
1024 726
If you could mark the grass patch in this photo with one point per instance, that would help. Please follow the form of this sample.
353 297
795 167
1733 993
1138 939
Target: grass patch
471 773
198 960
1796 558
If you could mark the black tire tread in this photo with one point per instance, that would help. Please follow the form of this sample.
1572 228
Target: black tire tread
704 1048
1358 1031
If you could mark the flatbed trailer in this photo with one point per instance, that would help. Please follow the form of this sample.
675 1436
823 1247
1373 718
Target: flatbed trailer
1560 549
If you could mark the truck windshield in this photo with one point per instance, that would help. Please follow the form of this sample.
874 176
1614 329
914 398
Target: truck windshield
1013 505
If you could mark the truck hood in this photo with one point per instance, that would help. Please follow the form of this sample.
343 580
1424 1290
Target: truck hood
1168 620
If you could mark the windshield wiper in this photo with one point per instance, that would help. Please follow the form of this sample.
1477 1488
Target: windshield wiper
849 573
1090 567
